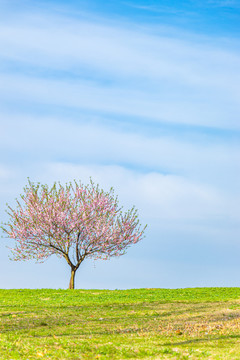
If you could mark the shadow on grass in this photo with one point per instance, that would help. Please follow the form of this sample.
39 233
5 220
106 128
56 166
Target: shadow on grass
223 337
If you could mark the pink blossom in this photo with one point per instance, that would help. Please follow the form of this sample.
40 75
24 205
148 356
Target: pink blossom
74 222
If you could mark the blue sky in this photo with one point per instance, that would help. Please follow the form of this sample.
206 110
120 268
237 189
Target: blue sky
142 96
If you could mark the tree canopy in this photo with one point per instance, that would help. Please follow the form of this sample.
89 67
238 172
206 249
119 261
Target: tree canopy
74 221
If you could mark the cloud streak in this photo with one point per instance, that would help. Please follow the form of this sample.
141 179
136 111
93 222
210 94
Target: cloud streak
90 141
127 71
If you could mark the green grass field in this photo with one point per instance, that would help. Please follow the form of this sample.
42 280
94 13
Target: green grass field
201 323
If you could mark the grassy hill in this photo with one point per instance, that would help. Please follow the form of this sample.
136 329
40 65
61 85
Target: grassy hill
200 323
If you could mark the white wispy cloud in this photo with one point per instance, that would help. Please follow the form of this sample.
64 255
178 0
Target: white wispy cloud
58 42
126 71
88 140
162 197
122 100
224 3
162 9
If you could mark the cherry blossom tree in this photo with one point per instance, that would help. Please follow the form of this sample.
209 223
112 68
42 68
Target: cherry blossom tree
74 222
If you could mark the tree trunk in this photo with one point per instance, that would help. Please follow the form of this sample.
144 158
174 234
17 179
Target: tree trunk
72 282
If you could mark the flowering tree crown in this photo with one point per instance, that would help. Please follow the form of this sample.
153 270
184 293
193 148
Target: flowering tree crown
72 221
